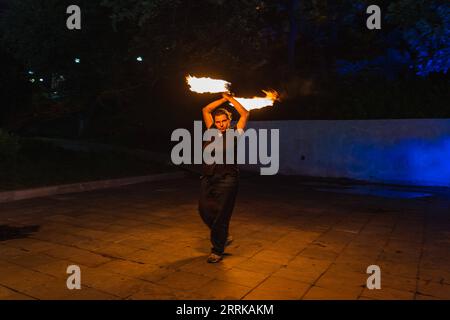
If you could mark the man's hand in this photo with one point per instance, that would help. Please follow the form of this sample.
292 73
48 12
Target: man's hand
226 96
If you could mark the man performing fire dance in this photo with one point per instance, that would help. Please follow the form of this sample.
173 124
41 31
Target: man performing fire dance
219 182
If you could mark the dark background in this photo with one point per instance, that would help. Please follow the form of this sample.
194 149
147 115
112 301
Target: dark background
318 54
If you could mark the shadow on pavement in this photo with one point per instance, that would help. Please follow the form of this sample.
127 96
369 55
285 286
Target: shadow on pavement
8 232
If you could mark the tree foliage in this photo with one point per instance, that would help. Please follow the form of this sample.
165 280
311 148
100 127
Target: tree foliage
304 48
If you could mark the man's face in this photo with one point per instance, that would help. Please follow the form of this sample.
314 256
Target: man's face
222 123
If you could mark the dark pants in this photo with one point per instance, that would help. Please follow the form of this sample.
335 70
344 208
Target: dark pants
217 197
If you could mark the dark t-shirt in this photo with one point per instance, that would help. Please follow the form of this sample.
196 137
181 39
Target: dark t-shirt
225 168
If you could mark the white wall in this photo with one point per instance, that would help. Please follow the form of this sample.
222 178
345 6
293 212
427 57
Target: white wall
413 152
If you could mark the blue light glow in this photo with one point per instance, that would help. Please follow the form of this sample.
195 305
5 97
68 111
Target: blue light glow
430 161
419 161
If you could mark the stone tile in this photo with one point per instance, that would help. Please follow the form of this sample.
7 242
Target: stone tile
153 291
117 285
259 266
88 294
223 290
336 237
319 293
349 227
201 267
92 244
316 252
229 261
386 293
365 298
355 262
242 277
335 278
57 290
116 250
436 274
30 244
67 239
56 268
184 281
189 295
139 243
266 236
426 297
92 223
127 223
156 274
8 294
406 270
275 257
398 282
300 236
356 265
22 279
156 257
288 248
75 255
32 260
364 249
438 290
399 256
303 269
245 248
127 268
277 288
7 253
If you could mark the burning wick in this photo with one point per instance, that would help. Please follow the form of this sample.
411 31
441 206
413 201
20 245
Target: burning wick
259 102
208 85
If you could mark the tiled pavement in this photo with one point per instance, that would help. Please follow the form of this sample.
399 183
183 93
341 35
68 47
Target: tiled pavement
292 241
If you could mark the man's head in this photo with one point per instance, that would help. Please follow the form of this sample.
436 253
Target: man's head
222 119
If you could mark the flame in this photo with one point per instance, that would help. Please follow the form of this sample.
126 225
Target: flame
207 85
259 102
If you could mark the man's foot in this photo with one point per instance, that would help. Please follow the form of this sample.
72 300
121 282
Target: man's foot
229 241
214 258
